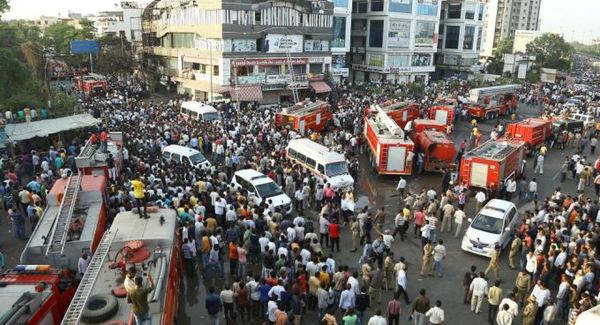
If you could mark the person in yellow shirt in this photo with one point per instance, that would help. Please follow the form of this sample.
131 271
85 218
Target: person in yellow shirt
139 195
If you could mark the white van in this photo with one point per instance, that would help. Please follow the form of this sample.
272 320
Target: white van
262 188
199 111
328 165
493 225
588 120
181 153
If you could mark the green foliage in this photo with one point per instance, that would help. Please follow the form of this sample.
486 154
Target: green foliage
551 51
593 49
495 64
115 56
4 6
63 105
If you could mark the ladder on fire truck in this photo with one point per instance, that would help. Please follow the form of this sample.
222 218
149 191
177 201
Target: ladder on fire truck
389 123
60 229
89 278
290 67
88 150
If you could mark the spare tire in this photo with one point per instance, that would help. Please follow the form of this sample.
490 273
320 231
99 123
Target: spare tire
99 308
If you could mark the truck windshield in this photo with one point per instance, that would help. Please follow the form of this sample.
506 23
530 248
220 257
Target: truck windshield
487 224
268 190
335 169
197 158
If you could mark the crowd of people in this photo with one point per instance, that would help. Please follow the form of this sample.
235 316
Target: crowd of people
259 264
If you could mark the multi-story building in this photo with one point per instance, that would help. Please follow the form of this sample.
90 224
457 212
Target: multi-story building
505 17
394 39
254 50
460 36
125 23
340 43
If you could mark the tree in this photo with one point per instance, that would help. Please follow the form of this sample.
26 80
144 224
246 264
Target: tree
4 7
495 64
551 51
115 56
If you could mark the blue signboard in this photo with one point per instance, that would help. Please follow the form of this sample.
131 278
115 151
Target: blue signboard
84 47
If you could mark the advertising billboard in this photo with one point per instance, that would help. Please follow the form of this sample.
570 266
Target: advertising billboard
399 34
339 32
242 45
376 60
279 43
316 46
84 47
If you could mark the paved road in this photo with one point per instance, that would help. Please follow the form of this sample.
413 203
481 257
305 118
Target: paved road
375 191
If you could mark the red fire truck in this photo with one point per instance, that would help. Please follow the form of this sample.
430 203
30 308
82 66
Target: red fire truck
91 161
420 125
402 112
443 110
491 102
305 115
390 151
35 294
532 131
491 163
438 149
91 84
153 246
72 223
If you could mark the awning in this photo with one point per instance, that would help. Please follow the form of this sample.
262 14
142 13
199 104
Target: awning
224 89
246 93
43 128
320 87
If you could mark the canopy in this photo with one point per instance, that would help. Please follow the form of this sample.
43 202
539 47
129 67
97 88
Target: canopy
246 93
43 128
320 87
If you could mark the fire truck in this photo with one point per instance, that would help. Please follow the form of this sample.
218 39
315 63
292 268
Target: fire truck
153 246
305 115
390 150
402 112
491 163
443 110
72 223
91 83
491 102
532 131
420 125
92 161
35 294
438 150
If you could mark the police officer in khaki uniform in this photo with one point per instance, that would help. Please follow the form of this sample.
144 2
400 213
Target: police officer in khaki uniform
515 248
494 265
523 283
530 311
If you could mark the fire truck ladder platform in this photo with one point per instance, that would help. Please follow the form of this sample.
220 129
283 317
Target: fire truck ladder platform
88 150
60 229
304 107
89 278
492 150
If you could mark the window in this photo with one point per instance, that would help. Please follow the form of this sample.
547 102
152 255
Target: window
425 32
300 157
452 36
166 155
469 15
376 33
176 157
454 11
401 5
339 32
481 9
315 68
468 39
341 3
362 7
376 5
311 162
321 169
479 37
292 153
398 60
427 8
215 70
257 17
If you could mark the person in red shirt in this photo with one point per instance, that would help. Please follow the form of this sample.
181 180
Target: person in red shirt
104 140
334 234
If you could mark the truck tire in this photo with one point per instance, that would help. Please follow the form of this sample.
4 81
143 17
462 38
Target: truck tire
99 308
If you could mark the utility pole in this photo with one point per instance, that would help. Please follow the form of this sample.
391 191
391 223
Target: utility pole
91 63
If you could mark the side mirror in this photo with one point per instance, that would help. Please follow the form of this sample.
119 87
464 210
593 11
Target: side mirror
507 229
470 220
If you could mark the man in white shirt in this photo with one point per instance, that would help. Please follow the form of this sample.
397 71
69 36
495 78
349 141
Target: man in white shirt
532 190
459 217
541 294
479 289
504 316
439 253
401 282
84 262
401 186
480 200
353 282
513 307
347 298
511 188
436 314
377 319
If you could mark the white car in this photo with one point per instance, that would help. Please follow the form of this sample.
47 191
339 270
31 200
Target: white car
493 225
262 188
180 154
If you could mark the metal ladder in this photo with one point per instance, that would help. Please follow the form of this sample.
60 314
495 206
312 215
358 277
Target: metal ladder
89 278
290 67
60 230
88 150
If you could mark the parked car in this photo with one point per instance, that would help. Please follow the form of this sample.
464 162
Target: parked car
493 225
262 188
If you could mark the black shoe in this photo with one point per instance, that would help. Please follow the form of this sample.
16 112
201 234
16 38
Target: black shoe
146 217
